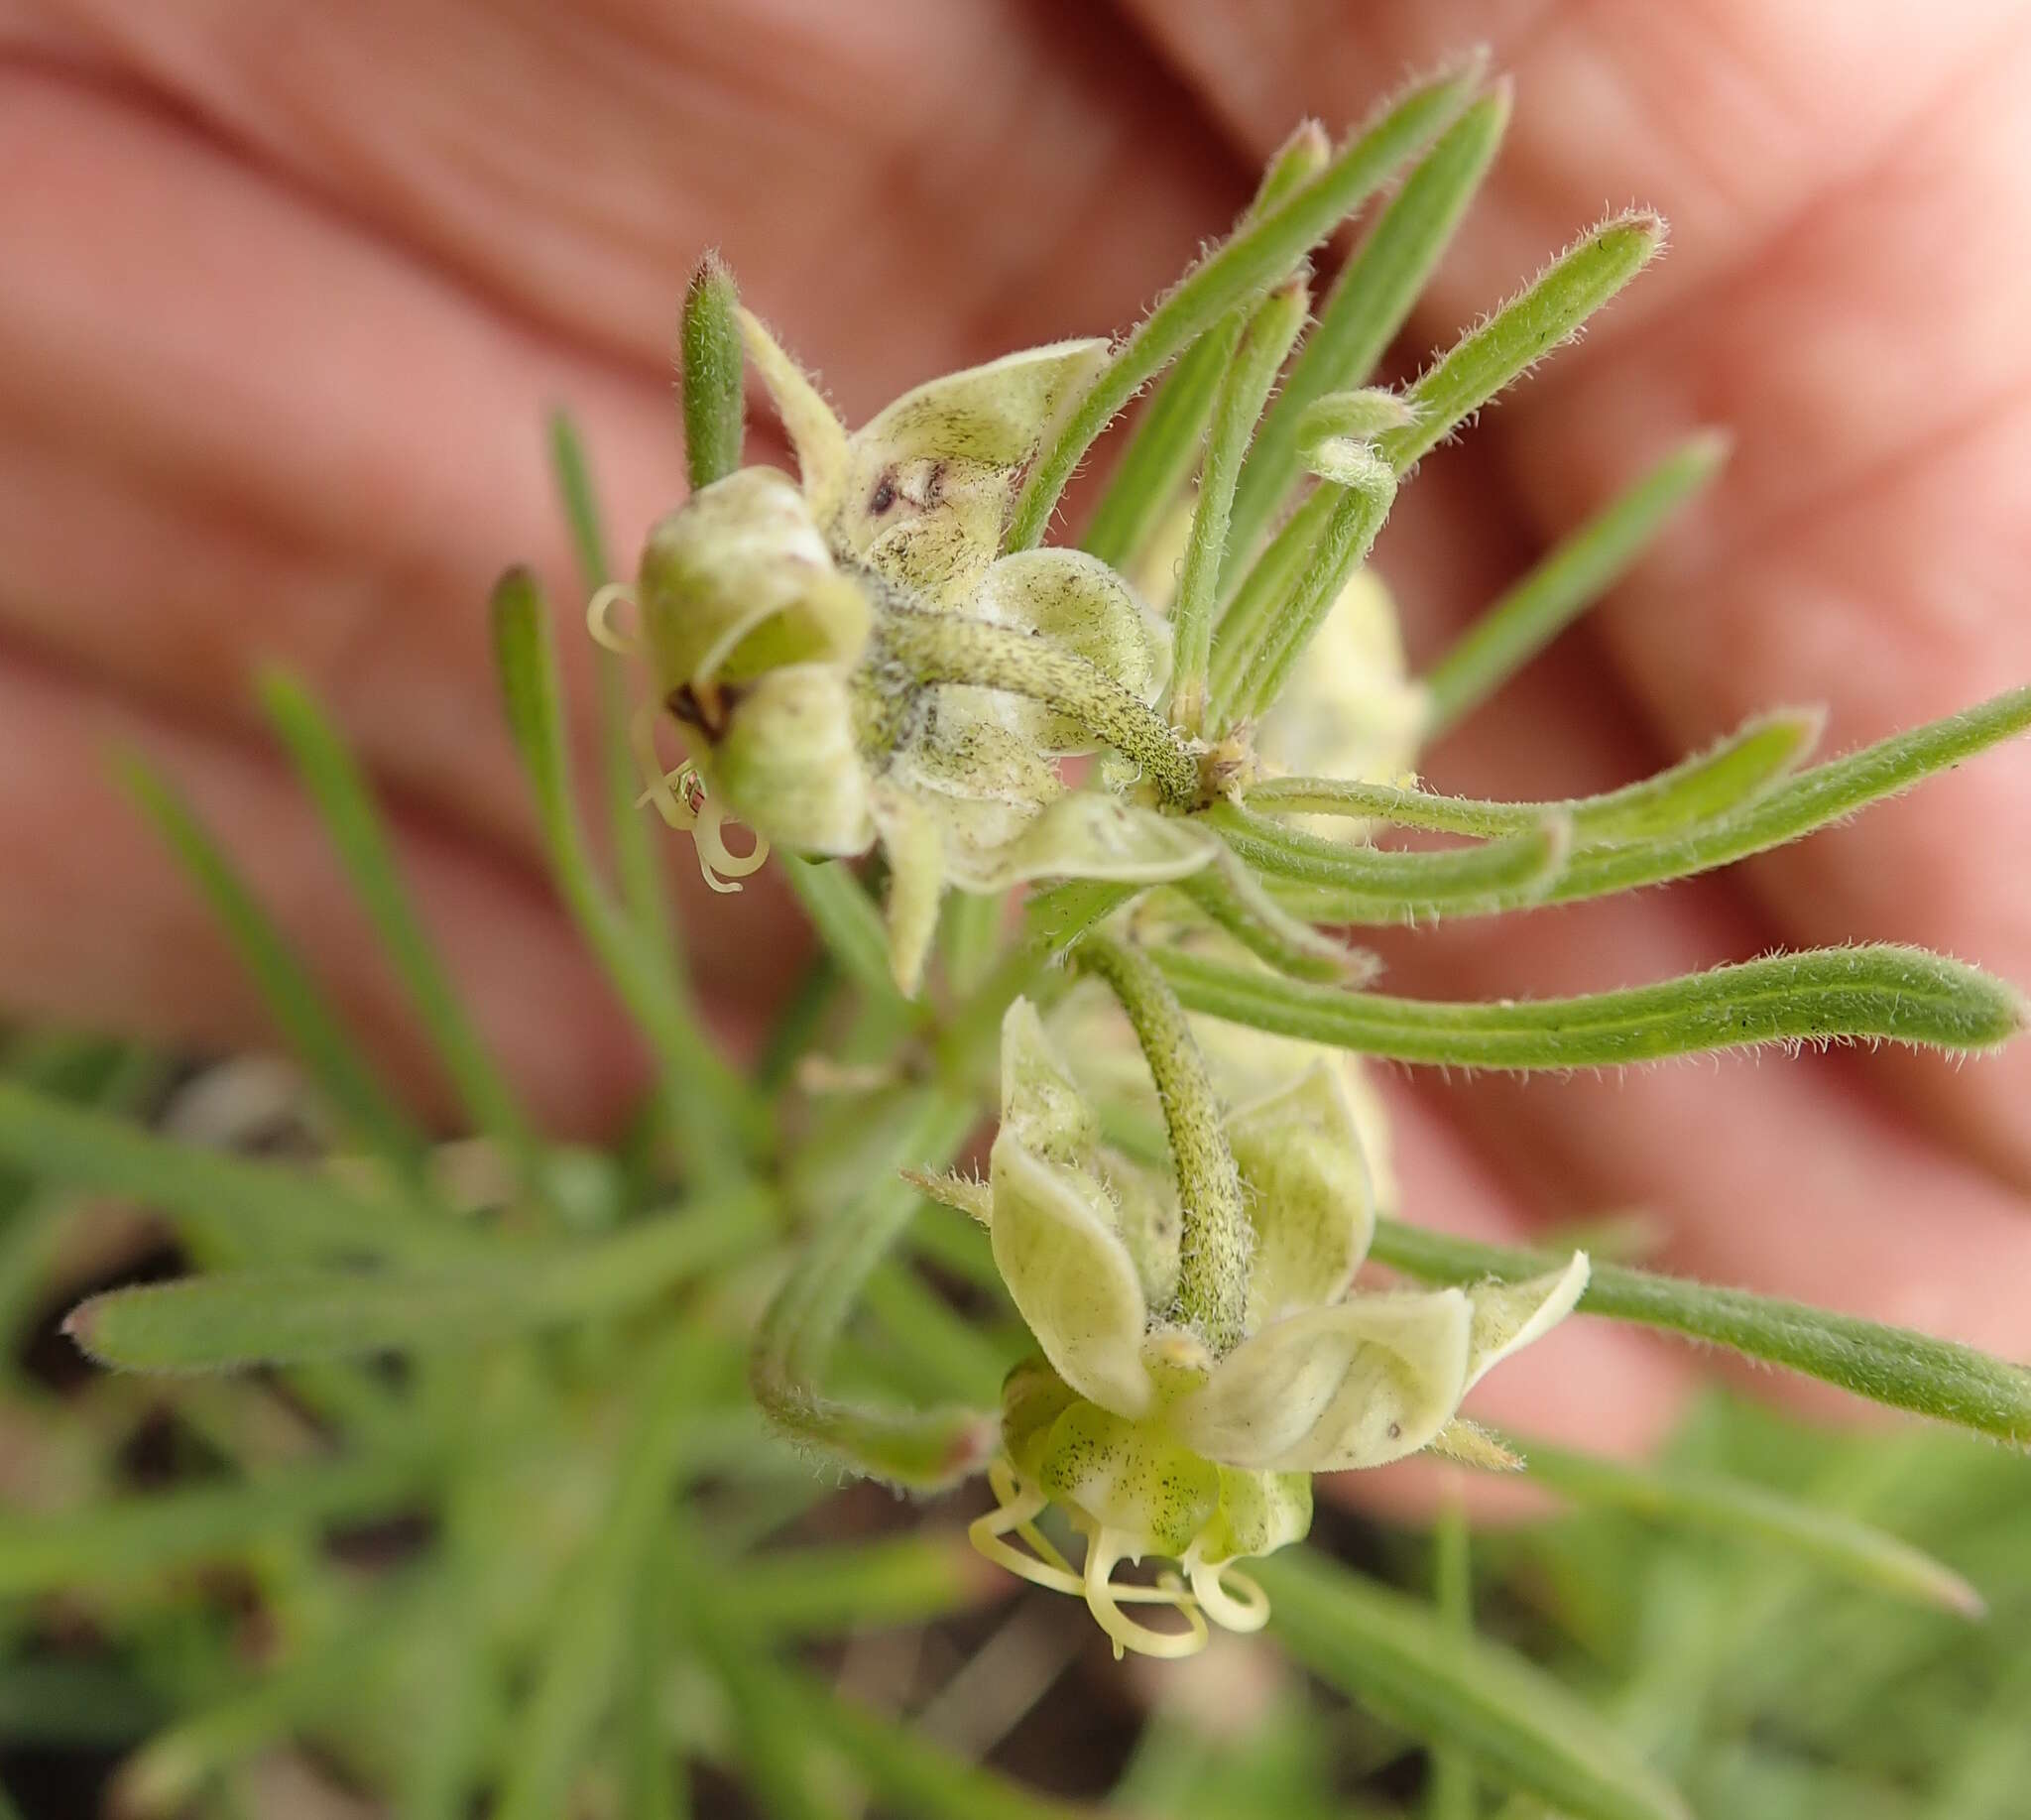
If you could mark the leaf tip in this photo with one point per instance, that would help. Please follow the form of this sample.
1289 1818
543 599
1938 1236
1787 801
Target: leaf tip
82 1327
1957 1594
1496 105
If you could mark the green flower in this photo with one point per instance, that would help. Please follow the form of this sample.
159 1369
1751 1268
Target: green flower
771 609
1151 1444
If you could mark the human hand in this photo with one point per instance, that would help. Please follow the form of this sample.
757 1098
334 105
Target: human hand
285 305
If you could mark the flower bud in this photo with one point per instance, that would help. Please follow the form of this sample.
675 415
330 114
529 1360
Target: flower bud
738 581
786 759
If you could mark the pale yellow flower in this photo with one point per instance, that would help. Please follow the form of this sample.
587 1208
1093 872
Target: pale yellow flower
763 601
1153 1445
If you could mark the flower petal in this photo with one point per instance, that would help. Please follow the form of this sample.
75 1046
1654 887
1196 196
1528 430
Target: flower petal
915 850
738 581
1146 1216
813 427
1299 1154
788 761
1123 1475
1510 1315
1070 1275
994 415
983 781
931 479
1359 1383
1260 1513
1040 1102
1087 835
1245 1062
1082 603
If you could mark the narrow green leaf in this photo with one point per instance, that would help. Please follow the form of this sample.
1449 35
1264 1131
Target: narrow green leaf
1987 1777
335 783
1255 660
580 501
1229 895
1450 1793
911 1775
711 352
281 1210
834 1588
655 1782
638 865
1256 593
573 1688
128 1540
799 1024
1728 777
972 937
940 1352
704 1101
1520 1726
1792 809
344 1074
1156 467
229 1320
1383 885
1815 798
1887 1365
1570 577
1250 358
1825 995
1250 264
847 922
780 1763
1156 464
84 1071
172 1770
1371 300
923 1449
1734 1510
1549 310
76 1702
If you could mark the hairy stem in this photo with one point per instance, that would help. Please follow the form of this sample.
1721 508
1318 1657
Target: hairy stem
952 648
1217 1239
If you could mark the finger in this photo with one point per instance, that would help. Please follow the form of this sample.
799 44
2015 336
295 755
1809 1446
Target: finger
1730 116
1870 549
910 187
1847 204
206 465
103 930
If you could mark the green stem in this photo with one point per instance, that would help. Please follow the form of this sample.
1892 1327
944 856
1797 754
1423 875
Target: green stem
953 647
1217 1239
